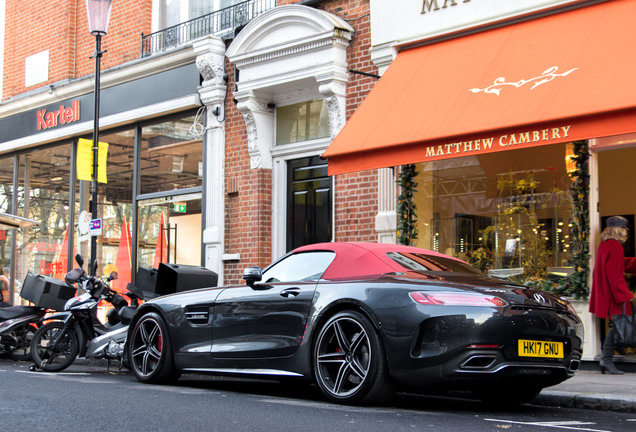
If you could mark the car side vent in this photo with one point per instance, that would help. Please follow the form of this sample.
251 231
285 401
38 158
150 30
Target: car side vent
198 314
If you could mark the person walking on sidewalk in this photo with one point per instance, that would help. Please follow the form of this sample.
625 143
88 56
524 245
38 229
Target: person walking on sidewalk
609 288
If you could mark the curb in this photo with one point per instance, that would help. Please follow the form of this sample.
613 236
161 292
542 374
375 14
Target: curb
590 401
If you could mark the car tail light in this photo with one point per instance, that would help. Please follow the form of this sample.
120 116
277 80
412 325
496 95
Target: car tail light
456 299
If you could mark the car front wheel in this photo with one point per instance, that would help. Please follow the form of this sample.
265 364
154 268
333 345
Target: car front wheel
349 361
150 351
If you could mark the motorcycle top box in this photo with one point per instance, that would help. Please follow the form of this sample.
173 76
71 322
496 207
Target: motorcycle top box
47 292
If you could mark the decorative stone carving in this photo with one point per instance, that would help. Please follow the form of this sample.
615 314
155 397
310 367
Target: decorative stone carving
210 52
211 69
334 93
274 63
259 123
252 138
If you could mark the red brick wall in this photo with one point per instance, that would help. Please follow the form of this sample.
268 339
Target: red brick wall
248 198
61 27
248 212
356 202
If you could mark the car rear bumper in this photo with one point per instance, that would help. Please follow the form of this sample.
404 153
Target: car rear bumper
466 349
475 367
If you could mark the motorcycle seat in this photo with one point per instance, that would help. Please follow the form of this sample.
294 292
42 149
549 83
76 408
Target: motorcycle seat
12 312
126 314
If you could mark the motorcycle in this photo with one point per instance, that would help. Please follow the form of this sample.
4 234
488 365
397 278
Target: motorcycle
18 325
78 332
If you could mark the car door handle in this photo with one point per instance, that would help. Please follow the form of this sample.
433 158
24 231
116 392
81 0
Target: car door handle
290 291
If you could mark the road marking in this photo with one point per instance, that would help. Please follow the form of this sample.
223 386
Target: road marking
54 373
572 425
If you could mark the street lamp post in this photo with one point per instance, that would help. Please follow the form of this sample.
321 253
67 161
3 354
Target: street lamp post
98 17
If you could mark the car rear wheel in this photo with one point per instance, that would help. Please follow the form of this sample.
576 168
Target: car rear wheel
349 361
150 351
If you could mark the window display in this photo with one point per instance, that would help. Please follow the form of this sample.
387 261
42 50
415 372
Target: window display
506 213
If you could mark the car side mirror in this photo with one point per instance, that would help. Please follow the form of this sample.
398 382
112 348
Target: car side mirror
252 275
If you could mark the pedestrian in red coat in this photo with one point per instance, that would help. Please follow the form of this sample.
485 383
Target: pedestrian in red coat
609 289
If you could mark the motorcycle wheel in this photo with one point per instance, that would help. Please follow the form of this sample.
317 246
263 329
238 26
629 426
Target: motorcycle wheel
64 353
24 336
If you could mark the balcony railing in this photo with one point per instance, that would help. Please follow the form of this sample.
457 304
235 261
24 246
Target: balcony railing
221 23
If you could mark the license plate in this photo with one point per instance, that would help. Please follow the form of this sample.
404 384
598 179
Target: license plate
545 349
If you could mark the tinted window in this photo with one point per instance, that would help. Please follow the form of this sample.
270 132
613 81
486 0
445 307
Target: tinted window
308 266
421 262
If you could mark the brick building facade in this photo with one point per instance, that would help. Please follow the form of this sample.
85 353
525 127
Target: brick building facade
61 28
57 35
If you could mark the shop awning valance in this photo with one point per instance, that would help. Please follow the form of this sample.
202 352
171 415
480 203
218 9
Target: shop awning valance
553 79
8 221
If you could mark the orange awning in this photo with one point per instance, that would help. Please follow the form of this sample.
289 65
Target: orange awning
554 79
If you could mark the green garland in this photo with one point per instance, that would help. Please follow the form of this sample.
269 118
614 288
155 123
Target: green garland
578 282
407 219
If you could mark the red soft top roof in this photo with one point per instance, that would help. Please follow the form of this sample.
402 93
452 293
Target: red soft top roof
362 259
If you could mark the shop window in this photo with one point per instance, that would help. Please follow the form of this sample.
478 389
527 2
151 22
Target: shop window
166 229
114 208
301 122
6 183
43 195
170 156
6 194
511 222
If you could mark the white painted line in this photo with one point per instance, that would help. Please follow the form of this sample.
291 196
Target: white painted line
571 425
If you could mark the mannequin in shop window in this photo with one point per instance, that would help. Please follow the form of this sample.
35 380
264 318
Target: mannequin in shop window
4 288
609 288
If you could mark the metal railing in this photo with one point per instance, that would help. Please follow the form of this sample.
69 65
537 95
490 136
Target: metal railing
222 23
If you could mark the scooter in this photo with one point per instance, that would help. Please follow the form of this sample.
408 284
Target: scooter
18 325
56 344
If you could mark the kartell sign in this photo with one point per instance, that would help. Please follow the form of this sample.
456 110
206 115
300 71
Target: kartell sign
76 114
46 119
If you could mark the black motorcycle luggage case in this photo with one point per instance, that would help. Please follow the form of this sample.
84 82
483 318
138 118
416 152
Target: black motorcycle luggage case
173 278
46 292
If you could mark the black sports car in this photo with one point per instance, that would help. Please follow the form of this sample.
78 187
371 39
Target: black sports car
362 320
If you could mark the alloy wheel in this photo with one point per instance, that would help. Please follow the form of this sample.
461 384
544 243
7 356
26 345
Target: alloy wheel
147 345
343 357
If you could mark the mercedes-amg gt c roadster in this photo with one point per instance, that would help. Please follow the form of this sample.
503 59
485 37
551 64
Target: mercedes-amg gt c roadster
363 320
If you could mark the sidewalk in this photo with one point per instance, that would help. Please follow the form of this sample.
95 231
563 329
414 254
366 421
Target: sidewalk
589 389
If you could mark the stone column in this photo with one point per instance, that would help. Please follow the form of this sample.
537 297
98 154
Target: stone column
386 219
210 61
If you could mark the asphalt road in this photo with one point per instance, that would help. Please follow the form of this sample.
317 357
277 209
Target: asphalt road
87 397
